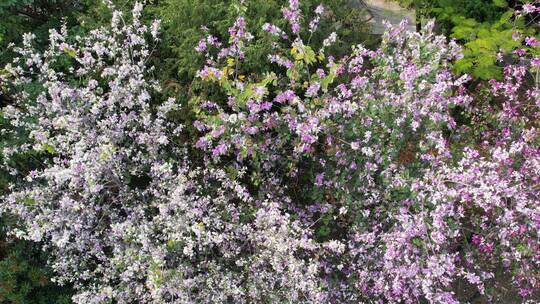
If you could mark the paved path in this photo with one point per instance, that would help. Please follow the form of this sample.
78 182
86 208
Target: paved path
385 10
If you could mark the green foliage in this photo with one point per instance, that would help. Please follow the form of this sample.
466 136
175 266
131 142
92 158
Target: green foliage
36 16
483 27
182 21
482 43
479 10
23 277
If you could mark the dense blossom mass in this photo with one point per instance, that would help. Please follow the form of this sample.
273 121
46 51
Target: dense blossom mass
357 179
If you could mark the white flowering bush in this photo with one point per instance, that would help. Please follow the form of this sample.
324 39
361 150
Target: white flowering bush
125 218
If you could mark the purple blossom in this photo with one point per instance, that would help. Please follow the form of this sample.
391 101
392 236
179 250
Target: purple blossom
201 47
291 13
313 89
531 41
220 149
287 96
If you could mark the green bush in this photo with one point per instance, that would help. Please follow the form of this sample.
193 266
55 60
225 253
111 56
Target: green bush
483 27
36 16
182 21
24 279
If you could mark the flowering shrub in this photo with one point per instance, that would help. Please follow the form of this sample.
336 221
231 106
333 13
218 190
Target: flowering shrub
184 21
124 218
375 134
327 180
